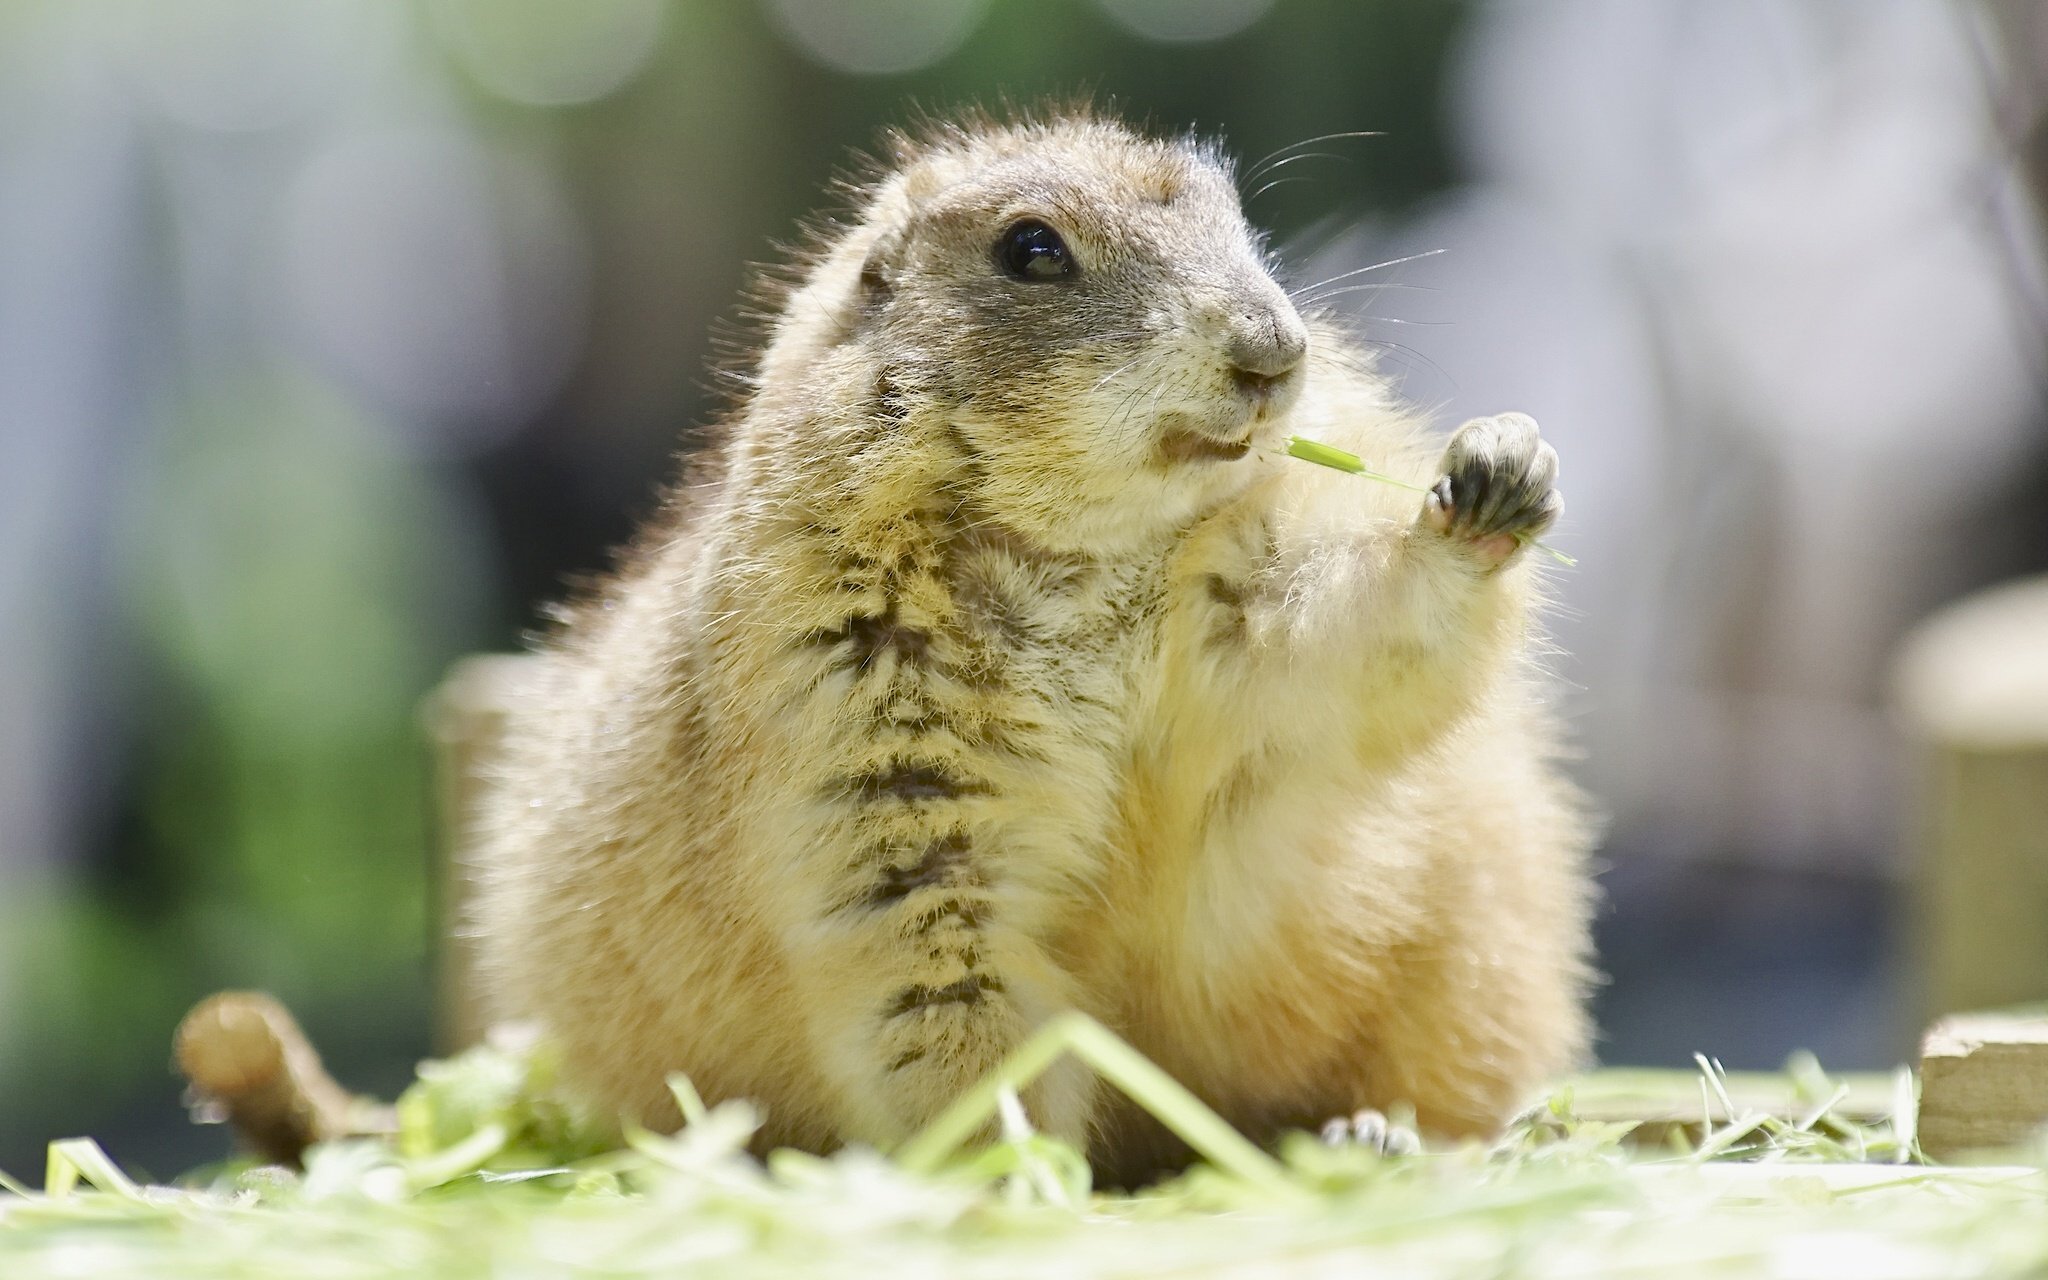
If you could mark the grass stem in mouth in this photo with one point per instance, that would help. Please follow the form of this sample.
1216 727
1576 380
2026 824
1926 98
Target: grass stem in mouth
1336 459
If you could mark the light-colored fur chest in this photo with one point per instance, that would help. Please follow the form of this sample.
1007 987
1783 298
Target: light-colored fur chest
944 704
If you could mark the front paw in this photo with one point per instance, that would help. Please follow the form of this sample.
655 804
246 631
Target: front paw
1498 488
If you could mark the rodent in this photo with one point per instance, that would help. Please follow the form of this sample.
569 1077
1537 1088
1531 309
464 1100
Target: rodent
994 663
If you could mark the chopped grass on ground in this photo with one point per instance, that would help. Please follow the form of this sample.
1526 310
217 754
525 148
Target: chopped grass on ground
489 1178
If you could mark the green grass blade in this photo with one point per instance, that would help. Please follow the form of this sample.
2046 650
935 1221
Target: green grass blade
1812 1116
1325 455
1170 1103
1736 1130
1905 1117
465 1157
1713 1074
75 1160
927 1150
1163 1097
688 1100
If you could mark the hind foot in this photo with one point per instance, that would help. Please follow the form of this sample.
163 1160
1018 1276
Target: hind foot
1373 1131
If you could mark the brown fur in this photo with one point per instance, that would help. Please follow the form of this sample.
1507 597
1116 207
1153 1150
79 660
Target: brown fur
954 692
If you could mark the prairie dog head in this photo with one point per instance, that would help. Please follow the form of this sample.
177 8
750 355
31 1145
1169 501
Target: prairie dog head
1081 315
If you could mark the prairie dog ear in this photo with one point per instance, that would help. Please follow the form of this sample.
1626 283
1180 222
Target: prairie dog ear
880 269
890 214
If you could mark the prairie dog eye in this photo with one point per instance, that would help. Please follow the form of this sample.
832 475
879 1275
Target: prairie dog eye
1033 252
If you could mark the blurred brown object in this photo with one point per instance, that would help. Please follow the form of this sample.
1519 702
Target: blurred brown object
465 718
1971 684
250 1065
1983 1082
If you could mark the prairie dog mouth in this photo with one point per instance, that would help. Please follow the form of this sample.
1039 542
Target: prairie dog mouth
1184 444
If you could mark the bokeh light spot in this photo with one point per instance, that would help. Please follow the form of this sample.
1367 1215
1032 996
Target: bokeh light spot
546 53
236 65
877 37
1186 21
448 280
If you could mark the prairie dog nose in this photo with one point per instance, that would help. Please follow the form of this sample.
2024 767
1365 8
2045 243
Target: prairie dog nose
1266 346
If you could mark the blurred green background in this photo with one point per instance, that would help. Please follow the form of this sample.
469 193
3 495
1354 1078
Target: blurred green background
334 337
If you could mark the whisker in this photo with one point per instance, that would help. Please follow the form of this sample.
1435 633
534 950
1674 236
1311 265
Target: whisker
1359 271
1116 372
1279 165
1277 182
1412 355
1123 409
1348 362
1432 324
1252 174
1381 284
1321 298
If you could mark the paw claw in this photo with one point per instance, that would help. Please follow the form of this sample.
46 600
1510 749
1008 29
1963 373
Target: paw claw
1437 507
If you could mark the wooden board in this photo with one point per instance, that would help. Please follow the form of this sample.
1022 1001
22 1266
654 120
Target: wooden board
1983 1082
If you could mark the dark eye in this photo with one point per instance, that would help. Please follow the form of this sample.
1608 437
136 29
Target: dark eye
1032 251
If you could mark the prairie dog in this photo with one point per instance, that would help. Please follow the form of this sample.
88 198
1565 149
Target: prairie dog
995 664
